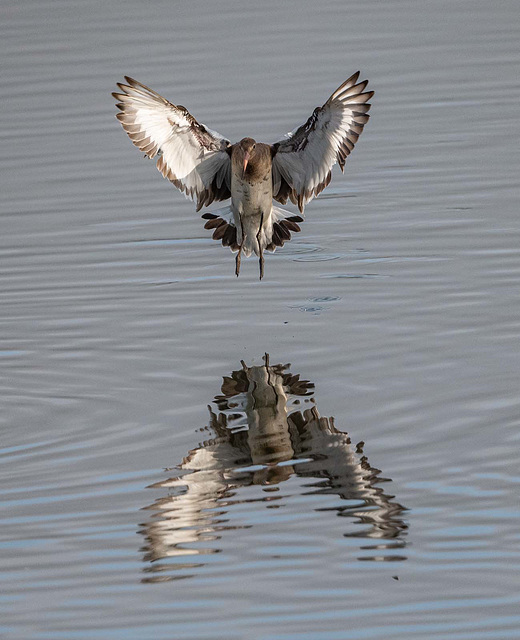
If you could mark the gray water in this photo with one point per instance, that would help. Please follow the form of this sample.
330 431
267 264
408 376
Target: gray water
375 496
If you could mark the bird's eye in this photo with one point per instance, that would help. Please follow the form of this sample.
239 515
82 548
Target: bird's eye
254 146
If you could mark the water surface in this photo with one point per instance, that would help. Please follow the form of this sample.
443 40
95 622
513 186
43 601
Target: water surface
129 509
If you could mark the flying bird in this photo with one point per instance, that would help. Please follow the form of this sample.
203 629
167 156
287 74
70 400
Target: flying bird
207 167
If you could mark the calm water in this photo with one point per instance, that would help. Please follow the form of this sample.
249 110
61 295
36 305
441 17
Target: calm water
367 490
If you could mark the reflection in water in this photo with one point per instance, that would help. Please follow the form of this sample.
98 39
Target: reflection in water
265 430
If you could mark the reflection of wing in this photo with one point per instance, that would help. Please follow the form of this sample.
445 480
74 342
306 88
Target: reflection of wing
302 163
346 474
188 515
191 156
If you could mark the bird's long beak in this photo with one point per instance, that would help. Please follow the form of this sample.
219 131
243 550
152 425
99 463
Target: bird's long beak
247 155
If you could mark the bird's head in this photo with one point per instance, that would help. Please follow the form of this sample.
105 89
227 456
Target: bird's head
247 147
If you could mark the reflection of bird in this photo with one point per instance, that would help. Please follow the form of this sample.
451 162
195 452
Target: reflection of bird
266 430
207 167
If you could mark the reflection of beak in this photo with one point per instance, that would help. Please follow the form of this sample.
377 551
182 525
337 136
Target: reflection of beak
246 160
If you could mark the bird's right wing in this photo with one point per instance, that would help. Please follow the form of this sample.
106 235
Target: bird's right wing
191 156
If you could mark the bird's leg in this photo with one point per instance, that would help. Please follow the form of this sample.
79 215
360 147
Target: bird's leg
261 261
237 261
239 254
261 264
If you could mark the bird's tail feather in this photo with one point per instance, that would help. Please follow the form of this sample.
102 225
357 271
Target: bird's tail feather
255 235
223 222
281 224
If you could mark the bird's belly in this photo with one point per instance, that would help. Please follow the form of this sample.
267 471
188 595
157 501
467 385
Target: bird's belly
252 199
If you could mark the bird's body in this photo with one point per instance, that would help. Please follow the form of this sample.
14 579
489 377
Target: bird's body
207 167
252 197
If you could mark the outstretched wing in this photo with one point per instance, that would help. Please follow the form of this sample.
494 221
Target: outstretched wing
302 162
190 155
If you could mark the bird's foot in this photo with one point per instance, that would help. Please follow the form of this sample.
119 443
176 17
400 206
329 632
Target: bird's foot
237 262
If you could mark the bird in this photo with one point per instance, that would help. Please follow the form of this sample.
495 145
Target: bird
209 168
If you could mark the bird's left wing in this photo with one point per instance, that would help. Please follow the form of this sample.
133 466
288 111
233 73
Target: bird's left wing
302 162
190 155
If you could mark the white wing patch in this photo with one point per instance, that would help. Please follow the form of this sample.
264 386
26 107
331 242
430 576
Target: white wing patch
191 156
302 162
